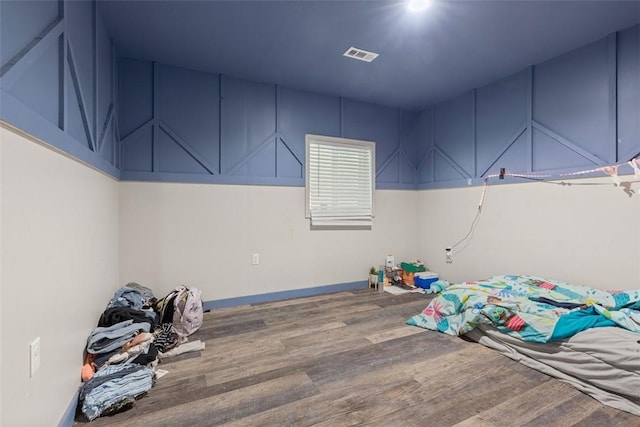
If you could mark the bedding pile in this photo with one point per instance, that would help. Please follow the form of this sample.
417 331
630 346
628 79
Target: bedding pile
587 338
530 308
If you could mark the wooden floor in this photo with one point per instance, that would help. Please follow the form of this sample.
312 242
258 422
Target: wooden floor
349 359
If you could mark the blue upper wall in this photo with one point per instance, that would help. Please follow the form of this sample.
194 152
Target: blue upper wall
578 111
184 125
57 80
140 120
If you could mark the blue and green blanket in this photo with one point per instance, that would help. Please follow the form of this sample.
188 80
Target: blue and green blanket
530 308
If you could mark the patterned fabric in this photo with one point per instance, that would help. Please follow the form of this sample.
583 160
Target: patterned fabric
188 312
166 338
513 304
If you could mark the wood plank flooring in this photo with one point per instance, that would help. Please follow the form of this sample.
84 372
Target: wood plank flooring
348 359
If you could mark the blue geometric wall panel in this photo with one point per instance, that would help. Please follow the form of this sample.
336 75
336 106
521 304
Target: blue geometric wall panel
578 110
629 94
21 22
548 155
174 158
108 147
135 88
514 159
189 105
57 78
427 169
75 119
375 123
261 162
398 169
444 170
287 162
137 151
425 147
551 117
248 123
238 131
425 132
38 87
501 115
554 117
408 172
453 121
301 113
80 18
409 130
391 171
104 78
572 95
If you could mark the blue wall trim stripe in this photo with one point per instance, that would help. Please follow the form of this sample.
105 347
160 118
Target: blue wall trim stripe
208 179
236 180
69 416
278 296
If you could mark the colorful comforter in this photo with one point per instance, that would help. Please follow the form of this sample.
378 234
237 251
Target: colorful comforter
530 308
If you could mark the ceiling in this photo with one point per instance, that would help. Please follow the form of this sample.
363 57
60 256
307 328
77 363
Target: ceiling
425 57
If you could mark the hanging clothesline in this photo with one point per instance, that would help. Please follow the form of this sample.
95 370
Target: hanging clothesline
611 170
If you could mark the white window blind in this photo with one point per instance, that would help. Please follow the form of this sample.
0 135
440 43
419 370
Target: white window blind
340 177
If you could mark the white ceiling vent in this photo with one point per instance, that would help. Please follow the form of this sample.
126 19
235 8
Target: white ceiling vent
362 55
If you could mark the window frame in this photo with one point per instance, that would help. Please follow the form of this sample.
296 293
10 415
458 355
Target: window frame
340 222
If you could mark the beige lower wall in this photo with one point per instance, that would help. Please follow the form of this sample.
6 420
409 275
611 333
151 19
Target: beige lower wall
204 235
586 233
70 236
59 268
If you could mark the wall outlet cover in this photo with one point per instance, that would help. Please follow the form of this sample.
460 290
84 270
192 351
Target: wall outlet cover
34 350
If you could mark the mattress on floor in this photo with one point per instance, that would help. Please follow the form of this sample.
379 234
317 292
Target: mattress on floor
601 362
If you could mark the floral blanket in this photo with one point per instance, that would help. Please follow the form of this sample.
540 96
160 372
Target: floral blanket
530 308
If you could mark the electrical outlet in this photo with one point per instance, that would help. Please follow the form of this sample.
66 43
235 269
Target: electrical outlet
449 258
34 351
255 259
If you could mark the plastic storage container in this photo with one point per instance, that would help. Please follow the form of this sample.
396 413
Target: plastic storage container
424 279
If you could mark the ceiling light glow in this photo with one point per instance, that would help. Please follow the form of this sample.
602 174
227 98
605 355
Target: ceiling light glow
418 5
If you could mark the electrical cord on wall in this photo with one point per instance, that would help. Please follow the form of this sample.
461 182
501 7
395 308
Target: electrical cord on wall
450 249
610 170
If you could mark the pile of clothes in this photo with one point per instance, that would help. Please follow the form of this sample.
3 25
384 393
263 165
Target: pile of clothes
123 351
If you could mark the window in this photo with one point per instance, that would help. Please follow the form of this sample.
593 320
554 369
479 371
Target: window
340 179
